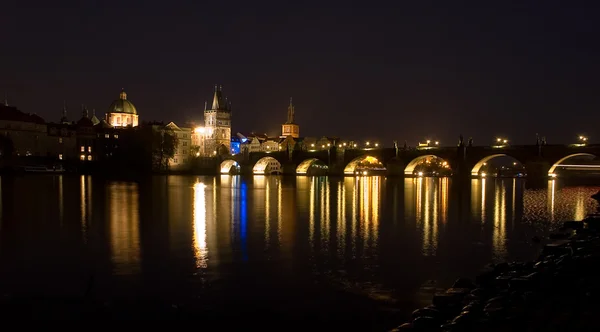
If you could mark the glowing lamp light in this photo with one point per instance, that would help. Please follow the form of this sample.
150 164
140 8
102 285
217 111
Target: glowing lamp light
355 145
312 145
420 174
552 175
364 172
376 144
199 130
483 174
437 142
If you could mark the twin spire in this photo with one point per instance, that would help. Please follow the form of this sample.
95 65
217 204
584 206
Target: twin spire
219 103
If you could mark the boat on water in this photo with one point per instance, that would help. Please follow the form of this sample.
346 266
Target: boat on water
43 169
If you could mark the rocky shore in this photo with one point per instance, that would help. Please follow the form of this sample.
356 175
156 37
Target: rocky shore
558 292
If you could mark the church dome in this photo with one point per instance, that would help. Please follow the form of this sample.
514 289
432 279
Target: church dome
122 105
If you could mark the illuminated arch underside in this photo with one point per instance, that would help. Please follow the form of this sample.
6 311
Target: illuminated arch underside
350 169
265 165
479 165
410 168
227 165
560 161
306 164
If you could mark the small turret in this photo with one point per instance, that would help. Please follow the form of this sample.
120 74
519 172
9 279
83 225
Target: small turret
63 118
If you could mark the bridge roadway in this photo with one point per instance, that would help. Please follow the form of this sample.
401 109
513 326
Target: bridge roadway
538 160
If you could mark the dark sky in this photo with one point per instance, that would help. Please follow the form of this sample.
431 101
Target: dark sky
402 70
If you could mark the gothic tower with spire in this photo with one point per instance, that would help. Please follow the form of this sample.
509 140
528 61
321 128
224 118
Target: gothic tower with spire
217 124
290 128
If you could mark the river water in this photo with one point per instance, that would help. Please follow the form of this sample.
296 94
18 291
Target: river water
358 252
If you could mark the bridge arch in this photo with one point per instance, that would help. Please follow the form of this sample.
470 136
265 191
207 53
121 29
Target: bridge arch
304 167
363 164
475 170
410 168
561 160
267 165
227 165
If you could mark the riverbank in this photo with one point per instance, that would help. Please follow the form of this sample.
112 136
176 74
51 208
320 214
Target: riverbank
557 292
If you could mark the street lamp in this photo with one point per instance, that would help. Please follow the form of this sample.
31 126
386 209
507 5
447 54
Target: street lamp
501 141
437 142
583 139
376 144
367 143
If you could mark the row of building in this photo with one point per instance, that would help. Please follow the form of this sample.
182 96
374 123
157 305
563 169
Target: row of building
88 138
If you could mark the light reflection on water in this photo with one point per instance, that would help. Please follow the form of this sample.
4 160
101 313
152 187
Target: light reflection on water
372 236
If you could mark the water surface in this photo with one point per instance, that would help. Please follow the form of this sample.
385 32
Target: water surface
358 252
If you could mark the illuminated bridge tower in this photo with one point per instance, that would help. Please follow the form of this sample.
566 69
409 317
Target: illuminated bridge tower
217 124
290 128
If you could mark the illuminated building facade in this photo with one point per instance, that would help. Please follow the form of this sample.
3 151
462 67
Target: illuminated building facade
181 157
290 128
235 145
122 113
27 132
217 125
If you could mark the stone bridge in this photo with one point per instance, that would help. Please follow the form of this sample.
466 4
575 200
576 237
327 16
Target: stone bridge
538 160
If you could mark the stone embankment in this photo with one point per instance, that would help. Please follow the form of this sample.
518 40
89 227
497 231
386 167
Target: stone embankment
559 291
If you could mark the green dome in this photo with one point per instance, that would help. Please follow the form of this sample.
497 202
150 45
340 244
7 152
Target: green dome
122 105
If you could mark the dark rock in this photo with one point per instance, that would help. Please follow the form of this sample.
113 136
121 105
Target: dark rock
426 323
573 224
446 299
502 281
559 236
501 267
426 312
403 327
463 283
485 277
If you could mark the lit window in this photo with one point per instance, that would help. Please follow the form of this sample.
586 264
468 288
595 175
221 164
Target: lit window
89 149
82 157
106 136
175 160
82 148
60 156
60 140
89 157
116 136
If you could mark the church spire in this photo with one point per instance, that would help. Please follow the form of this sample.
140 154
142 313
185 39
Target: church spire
290 115
63 118
5 99
218 103
84 111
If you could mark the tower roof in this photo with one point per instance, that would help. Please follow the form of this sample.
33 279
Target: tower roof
219 103
122 105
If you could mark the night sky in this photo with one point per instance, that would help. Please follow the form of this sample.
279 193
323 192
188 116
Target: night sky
402 70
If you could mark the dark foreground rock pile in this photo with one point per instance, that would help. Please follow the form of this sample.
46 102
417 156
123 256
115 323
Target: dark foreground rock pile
560 291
